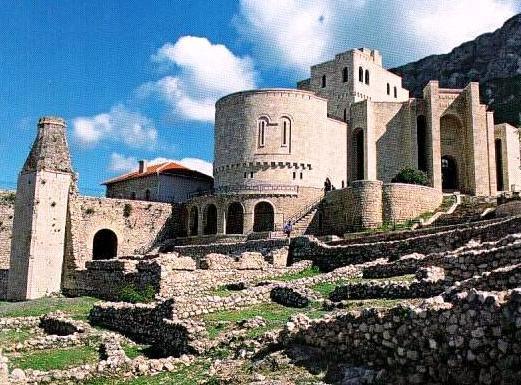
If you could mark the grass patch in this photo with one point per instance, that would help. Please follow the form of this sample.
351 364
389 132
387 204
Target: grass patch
78 308
134 351
274 314
11 336
132 294
307 272
381 303
326 288
54 358
222 291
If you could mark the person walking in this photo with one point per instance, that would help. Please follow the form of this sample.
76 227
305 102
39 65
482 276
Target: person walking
288 228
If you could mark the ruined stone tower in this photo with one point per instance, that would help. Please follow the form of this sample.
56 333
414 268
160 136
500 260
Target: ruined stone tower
44 184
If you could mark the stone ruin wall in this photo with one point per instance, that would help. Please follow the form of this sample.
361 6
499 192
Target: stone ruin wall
331 257
143 226
419 345
369 204
6 226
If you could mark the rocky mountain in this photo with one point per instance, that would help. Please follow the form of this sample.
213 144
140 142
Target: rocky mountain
493 59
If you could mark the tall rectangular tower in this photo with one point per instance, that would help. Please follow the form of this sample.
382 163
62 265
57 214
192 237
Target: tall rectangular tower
44 184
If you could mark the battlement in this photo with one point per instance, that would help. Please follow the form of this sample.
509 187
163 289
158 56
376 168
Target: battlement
51 120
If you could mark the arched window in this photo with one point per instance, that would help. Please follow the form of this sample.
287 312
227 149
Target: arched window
262 131
360 74
367 77
235 219
147 194
323 81
388 89
395 92
263 217
286 132
105 245
421 141
345 75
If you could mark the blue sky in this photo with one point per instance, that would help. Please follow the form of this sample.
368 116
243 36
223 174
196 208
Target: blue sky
138 80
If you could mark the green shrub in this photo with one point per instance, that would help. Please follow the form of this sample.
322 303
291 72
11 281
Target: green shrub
129 293
411 176
8 198
127 210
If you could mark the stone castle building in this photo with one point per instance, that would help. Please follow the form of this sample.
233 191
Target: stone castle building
322 156
353 125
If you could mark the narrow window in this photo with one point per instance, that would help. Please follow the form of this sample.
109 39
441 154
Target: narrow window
367 77
294 175
345 75
360 74
395 92
262 131
251 174
285 133
323 81
300 175
345 114
147 195
388 89
245 175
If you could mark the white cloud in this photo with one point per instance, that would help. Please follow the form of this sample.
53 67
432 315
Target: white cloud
118 125
205 72
445 24
122 163
295 34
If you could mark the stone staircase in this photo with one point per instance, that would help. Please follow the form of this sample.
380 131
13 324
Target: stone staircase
301 225
470 210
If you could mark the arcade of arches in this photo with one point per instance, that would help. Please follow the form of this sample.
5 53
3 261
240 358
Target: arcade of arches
233 218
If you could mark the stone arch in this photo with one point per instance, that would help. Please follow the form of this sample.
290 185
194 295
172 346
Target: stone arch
263 217
104 245
453 153
449 173
210 219
193 221
421 142
499 165
235 218
358 155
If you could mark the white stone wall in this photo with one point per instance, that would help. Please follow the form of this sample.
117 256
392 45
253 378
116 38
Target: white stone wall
316 150
38 234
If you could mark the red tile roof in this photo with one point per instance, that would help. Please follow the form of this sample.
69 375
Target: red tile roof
159 168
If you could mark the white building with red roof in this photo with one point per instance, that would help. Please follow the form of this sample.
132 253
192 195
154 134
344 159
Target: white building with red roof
162 182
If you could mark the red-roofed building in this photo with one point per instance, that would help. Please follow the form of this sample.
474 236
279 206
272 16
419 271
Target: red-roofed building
163 182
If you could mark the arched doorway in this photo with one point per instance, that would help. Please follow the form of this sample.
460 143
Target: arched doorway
235 219
449 173
105 245
421 142
194 221
358 154
210 220
263 217
499 165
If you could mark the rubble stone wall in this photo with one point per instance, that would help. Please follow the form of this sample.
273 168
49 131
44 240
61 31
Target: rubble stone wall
6 228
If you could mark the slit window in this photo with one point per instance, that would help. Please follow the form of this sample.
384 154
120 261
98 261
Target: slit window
345 75
367 77
324 80
262 132
286 132
360 74
395 92
388 89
